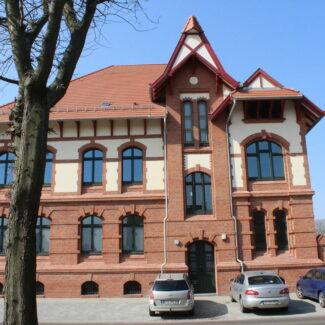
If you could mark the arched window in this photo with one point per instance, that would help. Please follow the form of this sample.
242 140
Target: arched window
281 229
7 162
264 161
92 167
89 288
132 166
91 235
203 123
39 288
48 168
42 235
198 193
3 234
132 232
188 123
259 231
131 288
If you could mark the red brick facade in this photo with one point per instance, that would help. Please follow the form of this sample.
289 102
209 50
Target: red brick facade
65 268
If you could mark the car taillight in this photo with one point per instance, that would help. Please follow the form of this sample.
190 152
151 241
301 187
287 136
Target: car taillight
189 294
151 296
284 291
251 293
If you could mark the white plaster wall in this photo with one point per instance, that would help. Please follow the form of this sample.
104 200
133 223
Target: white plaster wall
67 149
153 126
66 177
226 91
191 160
267 84
120 127
237 172
155 174
69 129
193 40
289 129
86 129
256 83
55 130
136 127
112 146
155 146
183 52
298 170
112 176
206 55
194 96
103 127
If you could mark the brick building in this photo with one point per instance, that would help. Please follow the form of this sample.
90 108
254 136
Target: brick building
173 167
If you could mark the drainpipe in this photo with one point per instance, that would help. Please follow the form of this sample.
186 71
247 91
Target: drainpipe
166 196
241 263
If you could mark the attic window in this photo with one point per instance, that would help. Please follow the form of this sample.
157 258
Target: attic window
263 110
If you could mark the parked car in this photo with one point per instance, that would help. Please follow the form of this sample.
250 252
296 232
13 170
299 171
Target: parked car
259 289
312 285
171 292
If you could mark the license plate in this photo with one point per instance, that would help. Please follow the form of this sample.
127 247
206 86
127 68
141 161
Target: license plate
170 302
270 302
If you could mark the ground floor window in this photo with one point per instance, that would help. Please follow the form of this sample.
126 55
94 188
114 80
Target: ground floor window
39 288
281 229
132 287
259 231
89 288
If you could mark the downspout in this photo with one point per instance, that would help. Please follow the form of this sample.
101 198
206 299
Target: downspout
166 196
241 263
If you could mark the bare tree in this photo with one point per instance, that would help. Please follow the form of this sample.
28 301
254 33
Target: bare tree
43 39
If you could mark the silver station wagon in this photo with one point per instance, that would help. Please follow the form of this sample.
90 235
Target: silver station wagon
171 292
259 289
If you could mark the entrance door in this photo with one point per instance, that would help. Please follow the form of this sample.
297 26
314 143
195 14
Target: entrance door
201 266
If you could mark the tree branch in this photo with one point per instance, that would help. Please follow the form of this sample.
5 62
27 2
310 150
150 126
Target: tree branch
9 80
17 38
49 42
71 55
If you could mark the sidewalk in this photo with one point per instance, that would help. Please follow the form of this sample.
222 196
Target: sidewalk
135 310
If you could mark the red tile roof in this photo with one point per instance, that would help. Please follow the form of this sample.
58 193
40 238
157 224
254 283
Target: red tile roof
192 23
267 93
125 87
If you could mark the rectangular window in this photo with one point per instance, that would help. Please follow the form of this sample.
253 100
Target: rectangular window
263 110
188 123
203 123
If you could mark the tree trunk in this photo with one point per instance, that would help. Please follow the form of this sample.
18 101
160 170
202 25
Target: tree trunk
30 147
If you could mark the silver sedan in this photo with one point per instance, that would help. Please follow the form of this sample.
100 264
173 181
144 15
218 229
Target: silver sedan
259 289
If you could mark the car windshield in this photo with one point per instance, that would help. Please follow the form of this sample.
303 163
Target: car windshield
264 279
170 285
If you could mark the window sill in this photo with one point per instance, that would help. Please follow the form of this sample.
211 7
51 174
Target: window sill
199 217
264 181
132 187
92 188
133 256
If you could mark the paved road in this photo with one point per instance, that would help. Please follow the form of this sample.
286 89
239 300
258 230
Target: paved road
295 321
208 310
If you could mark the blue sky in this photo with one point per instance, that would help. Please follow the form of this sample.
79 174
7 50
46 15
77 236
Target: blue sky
286 38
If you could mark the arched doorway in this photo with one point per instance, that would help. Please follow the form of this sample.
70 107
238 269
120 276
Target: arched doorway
200 260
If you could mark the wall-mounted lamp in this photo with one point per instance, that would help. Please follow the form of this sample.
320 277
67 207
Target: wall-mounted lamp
224 236
177 242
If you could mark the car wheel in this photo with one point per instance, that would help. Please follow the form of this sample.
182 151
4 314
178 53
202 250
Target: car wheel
321 299
243 309
231 297
151 313
299 293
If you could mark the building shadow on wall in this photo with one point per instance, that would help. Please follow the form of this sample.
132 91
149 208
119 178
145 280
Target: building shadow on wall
203 309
